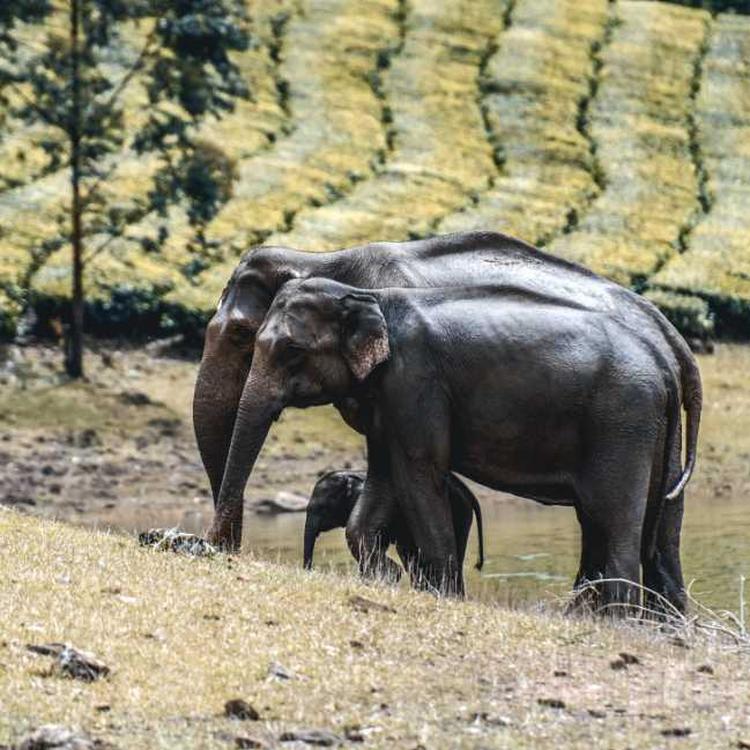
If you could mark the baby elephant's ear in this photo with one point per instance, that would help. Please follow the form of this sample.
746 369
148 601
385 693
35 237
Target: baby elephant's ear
364 334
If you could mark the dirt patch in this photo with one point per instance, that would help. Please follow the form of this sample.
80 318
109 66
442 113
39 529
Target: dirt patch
121 443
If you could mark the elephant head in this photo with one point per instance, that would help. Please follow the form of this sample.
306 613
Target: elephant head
228 350
333 498
319 341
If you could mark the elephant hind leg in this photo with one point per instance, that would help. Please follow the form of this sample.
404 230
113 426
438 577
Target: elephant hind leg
613 498
591 566
662 570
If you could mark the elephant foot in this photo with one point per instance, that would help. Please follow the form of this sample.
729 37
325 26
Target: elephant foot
225 534
613 598
382 569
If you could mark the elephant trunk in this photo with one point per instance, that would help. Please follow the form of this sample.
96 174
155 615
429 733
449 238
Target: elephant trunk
217 394
311 536
256 412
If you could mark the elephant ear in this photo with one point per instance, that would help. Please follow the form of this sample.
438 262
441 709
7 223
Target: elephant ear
364 334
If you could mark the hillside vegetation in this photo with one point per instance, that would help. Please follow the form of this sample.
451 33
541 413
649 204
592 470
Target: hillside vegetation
616 134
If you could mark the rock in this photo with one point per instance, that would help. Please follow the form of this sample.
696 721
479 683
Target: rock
135 398
279 672
240 709
551 703
317 737
354 734
629 658
249 742
79 665
706 669
560 673
677 732
13 498
361 604
56 737
483 717
177 541
283 502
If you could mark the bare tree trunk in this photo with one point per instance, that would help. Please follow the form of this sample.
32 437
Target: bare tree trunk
74 354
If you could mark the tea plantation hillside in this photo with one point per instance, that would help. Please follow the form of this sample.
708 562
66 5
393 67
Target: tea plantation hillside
616 134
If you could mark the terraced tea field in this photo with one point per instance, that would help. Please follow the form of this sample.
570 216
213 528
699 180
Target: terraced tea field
616 134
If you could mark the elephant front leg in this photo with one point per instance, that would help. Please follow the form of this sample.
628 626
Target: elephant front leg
424 502
368 528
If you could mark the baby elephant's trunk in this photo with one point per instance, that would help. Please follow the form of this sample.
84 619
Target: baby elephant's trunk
311 535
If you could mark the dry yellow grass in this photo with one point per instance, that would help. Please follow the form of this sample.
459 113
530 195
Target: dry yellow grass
183 635
330 51
717 263
640 124
537 82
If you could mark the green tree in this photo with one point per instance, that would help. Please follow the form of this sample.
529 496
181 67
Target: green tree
189 76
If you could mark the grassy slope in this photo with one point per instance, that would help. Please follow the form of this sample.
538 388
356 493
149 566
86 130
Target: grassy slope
183 635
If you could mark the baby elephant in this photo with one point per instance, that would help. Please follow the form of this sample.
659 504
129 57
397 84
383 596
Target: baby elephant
336 493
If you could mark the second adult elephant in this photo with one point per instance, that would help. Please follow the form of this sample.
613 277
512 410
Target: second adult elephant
450 260
545 395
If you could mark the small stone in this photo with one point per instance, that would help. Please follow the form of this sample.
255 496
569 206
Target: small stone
629 658
551 703
595 713
357 644
240 709
354 734
56 737
135 398
482 717
617 664
249 742
560 673
283 502
706 669
317 737
279 671
677 732
361 604
80 665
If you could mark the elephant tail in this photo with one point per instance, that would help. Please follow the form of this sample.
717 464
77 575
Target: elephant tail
692 403
690 385
480 531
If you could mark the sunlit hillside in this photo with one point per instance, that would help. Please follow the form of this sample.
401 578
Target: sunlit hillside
616 134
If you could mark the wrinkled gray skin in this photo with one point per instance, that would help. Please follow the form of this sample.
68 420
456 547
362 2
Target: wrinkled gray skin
552 392
336 493
445 261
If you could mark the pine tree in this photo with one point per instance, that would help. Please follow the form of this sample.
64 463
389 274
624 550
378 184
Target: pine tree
188 75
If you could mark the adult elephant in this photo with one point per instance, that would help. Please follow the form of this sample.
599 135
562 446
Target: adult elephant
445 261
553 397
